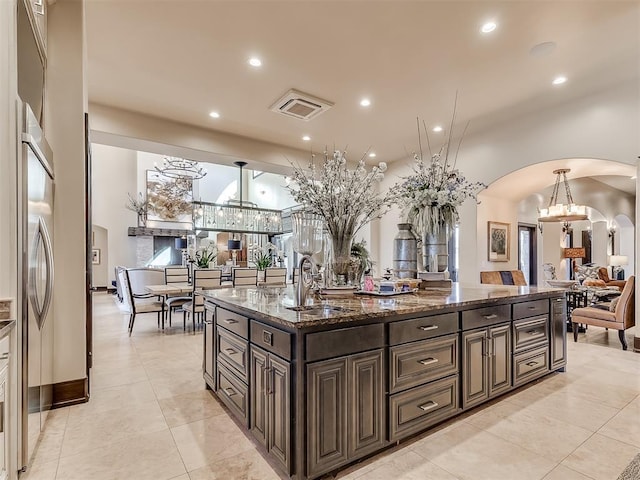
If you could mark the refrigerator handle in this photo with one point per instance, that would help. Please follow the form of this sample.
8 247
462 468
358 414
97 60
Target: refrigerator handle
42 235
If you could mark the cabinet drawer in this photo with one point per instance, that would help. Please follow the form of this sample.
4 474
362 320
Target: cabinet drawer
233 352
233 322
271 339
420 362
422 327
416 409
530 309
344 341
233 393
530 332
529 365
483 317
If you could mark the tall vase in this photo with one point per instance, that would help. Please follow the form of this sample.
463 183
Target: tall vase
435 252
340 259
405 252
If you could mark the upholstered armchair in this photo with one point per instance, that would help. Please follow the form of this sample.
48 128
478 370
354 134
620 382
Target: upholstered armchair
621 317
603 274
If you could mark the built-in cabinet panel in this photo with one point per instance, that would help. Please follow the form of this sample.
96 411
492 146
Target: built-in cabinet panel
209 351
486 363
558 326
346 415
326 415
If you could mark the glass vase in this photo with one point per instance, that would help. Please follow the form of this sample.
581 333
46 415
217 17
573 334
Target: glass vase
341 259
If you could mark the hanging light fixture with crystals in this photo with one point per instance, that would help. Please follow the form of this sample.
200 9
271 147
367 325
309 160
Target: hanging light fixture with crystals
174 167
562 212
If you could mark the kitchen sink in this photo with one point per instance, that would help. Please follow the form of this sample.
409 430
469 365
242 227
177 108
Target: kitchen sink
319 309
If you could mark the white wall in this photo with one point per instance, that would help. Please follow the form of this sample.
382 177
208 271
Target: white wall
64 115
100 273
113 176
603 125
496 210
268 191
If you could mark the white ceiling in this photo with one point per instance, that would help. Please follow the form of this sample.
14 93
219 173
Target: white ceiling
182 59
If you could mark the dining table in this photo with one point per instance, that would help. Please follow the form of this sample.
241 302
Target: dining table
167 289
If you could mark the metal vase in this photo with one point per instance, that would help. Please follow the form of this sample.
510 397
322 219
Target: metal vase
435 252
405 252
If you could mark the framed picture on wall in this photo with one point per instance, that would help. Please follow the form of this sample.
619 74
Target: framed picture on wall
95 256
499 238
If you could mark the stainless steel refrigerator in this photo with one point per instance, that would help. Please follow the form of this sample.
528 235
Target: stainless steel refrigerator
37 282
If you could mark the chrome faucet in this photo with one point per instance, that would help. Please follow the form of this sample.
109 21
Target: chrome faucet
305 282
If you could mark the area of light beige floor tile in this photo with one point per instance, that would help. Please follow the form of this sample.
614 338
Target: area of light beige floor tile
150 417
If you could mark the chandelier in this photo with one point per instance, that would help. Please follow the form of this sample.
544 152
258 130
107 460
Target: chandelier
562 212
174 167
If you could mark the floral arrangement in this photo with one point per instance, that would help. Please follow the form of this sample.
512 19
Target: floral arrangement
346 199
262 256
204 255
430 197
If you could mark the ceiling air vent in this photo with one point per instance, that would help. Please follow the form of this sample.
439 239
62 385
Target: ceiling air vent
300 105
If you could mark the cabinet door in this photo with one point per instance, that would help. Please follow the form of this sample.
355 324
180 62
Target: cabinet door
558 333
208 367
366 413
279 408
326 420
499 339
258 394
475 387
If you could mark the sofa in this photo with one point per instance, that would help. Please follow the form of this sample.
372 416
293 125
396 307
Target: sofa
619 316
603 274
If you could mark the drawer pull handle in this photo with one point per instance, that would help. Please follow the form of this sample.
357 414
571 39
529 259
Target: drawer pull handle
430 405
531 364
230 351
229 391
229 321
490 317
428 361
559 299
532 332
531 308
426 328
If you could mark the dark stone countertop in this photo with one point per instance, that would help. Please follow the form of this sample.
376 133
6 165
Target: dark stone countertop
272 303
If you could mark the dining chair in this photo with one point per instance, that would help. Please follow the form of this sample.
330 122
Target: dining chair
176 275
141 277
275 276
203 279
138 305
244 277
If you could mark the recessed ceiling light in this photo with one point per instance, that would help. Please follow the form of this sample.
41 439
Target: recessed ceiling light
365 102
372 155
255 62
559 80
306 138
437 128
489 27
214 115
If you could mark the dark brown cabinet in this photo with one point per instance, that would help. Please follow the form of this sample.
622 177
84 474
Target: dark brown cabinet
558 333
208 366
486 363
270 403
346 417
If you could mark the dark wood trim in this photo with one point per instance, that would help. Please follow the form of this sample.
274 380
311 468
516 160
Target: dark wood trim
71 392
636 344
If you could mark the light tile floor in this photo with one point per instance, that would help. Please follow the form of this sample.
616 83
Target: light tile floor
150 417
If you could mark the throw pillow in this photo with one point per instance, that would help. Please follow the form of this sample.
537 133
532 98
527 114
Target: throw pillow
613 304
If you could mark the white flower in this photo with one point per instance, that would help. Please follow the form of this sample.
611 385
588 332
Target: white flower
382 166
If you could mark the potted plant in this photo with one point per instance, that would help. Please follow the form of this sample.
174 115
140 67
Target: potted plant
204 256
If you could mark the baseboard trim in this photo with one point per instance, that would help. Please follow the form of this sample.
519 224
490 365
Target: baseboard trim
71 392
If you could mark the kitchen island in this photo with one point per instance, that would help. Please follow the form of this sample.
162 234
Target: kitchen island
324 385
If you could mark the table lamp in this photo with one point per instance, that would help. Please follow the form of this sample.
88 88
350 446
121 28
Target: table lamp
617 262
233 246
573 253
